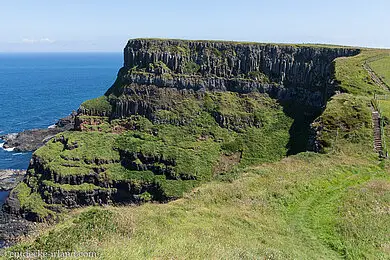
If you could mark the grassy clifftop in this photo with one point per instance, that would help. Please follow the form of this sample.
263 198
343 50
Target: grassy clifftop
330 205
248 43
355 79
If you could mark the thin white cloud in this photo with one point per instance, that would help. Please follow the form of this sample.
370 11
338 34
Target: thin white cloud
47 40
33 41
30 41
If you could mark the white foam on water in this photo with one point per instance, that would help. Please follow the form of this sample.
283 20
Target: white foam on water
17 153
6 149
52 126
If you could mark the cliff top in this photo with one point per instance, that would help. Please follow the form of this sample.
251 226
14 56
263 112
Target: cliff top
315 45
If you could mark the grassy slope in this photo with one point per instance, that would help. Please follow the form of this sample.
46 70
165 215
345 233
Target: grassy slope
304 207
384 106
308 206
353 77
382 68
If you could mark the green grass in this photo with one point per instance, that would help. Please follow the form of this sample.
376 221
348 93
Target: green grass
384 106
305 207
191 68
32 202
67 187
346 119
94 123
354 78
98 105
382 68
93 224
185 42
191 159
92 146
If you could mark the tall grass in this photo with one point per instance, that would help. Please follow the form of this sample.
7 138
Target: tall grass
307 206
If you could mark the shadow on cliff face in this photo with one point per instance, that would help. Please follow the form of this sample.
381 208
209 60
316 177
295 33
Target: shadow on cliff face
300 129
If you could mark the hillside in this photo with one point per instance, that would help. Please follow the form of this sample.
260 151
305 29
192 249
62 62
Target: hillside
205 128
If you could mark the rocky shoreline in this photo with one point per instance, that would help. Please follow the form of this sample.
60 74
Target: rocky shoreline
13 227
10 178
31 140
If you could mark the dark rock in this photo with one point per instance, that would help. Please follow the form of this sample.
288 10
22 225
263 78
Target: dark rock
67 122
31 140
301 74
10 178
13 228
12 204
13 225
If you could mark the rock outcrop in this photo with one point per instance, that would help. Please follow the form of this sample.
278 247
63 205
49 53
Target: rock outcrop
31 140
13 228
303 74
283 64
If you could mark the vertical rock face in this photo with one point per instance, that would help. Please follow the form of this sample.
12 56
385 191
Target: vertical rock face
289 65
284 65
300 74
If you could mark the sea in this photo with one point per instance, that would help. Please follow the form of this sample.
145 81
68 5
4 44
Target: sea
37 89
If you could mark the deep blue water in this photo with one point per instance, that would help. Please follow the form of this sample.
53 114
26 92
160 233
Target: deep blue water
38 89
3 196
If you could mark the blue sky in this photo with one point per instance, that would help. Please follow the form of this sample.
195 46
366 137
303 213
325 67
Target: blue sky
71 25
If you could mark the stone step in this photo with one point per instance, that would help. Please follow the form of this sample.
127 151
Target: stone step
377 132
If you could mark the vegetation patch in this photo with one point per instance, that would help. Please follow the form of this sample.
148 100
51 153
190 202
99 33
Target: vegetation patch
258 76
31 203
98 105
346 119
384 108
67 187
353 77
191 67
381 66
158 67
94 224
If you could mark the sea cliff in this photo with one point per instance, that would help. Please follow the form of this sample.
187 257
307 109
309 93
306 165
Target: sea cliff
179 114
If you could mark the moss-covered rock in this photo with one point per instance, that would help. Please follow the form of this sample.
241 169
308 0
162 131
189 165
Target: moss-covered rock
98 106
347 118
